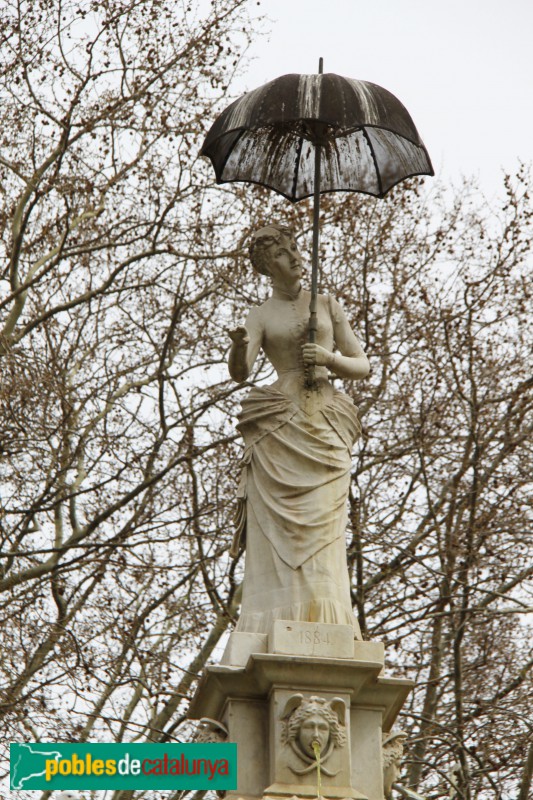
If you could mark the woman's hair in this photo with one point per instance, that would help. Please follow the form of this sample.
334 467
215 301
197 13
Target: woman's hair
318 706
261 241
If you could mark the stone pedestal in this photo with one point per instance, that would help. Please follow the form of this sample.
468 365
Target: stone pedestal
314 683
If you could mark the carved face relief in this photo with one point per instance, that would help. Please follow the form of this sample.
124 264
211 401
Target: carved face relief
314 729
315 719
211 731
392 759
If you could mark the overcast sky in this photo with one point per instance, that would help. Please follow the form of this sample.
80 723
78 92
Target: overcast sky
463 69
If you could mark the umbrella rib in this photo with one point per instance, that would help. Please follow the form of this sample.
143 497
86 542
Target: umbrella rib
296 171
374 159
230 151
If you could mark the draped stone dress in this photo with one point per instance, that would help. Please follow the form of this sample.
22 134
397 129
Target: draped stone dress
296 472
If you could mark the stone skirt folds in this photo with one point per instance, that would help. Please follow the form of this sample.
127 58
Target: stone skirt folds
293 493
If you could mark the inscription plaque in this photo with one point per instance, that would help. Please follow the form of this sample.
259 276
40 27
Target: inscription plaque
311 639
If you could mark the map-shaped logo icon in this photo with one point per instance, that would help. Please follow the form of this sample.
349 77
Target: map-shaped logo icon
27 763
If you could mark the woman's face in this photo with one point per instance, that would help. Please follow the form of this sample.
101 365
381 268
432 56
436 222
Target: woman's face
313 729
284 261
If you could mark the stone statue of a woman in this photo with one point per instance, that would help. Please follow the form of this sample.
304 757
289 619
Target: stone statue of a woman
298 441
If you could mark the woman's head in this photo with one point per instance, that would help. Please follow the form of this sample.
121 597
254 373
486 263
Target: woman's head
261 245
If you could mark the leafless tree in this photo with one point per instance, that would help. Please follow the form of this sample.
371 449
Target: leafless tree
124 266
113 401
441 501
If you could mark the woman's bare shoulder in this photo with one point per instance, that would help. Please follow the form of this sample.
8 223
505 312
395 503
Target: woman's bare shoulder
335 309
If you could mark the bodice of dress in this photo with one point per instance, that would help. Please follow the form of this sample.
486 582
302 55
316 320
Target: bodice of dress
280 327
285 323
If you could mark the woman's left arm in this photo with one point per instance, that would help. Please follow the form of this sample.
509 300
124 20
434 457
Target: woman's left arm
351 361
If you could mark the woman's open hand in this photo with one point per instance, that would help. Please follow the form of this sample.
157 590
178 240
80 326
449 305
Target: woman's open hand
239 335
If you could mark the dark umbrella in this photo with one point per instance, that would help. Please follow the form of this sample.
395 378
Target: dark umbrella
303 135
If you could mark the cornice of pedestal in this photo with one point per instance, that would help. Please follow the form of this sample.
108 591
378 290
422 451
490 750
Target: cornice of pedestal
361 680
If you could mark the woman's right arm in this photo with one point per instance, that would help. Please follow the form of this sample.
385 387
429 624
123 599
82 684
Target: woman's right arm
245 345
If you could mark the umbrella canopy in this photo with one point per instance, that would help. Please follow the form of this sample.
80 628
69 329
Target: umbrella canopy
367 138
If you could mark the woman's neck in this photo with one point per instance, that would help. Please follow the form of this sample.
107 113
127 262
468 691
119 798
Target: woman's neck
292 290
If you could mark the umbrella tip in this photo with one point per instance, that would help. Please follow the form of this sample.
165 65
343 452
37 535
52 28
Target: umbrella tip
320 65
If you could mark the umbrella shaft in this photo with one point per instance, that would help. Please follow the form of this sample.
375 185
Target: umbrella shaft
314 263
313 319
